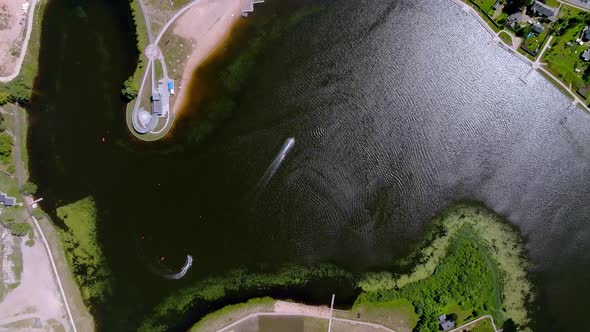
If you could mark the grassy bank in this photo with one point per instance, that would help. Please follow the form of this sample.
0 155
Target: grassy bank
239 281
82 250
141 39
21 87
470 264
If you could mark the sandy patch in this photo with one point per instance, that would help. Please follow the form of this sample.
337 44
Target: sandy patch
37 295
289 308
206 25
12 32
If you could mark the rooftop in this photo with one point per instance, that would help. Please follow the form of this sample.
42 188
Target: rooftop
542 9
447 325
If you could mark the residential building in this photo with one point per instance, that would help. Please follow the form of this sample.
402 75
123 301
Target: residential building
537 28
540 9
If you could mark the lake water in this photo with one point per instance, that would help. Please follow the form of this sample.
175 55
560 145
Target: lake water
398 108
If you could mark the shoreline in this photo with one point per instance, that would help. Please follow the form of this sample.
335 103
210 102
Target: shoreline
209 32
535 63
189 37
18 87
458 244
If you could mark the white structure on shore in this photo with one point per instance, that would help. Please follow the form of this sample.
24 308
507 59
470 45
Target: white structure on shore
248 6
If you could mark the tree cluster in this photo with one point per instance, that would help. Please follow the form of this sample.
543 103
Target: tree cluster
130 89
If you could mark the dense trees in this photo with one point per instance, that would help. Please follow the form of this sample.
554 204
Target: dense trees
5 148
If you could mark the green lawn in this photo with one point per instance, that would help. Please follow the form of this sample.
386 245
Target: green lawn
396 314
552 3
485 5
534 43
506 38
563 58
484 325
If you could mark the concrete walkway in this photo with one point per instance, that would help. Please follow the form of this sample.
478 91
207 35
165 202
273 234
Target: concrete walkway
460 328
25 44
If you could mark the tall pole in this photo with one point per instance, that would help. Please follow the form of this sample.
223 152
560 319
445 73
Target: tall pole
331 311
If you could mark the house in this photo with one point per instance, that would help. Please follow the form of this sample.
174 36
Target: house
586 55
445 324
2 198
586 33
514 19
448 325
9 201
537 28
540 9
157 104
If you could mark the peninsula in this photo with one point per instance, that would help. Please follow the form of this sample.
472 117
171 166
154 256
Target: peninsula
174 38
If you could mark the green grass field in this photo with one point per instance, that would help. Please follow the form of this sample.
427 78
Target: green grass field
506 38
564 57
485 5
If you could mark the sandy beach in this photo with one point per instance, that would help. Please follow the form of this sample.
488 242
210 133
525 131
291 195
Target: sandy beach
206 25
12 26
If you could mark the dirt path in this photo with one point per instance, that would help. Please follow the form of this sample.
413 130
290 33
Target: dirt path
37 289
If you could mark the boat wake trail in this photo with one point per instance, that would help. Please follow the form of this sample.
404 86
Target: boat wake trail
272 169
156 264
187 265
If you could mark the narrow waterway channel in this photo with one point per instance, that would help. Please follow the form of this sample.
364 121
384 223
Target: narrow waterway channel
398 108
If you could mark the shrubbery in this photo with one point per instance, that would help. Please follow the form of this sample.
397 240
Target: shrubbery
130 89
29 188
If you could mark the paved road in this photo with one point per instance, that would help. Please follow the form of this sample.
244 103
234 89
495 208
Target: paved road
20 179
350 321
475 321
25 45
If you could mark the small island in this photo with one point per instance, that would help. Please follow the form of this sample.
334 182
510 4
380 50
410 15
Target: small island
173 39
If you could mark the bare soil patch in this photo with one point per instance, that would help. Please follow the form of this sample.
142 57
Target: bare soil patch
12 33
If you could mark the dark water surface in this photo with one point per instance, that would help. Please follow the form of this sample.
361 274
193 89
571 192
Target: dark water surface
398 108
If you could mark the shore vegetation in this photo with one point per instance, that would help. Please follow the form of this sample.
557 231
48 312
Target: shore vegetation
474 264
82 250
471 263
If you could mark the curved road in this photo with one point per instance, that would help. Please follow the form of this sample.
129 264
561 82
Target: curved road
350 321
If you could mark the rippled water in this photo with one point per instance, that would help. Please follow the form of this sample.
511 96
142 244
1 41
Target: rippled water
398 108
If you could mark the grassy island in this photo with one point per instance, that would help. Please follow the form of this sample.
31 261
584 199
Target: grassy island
470 264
